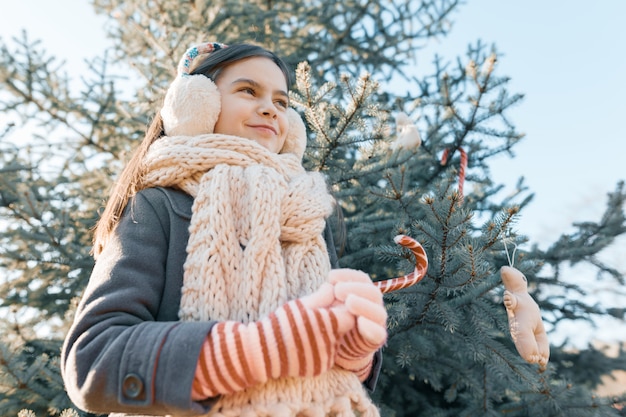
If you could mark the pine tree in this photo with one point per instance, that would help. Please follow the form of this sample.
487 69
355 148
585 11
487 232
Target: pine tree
449 351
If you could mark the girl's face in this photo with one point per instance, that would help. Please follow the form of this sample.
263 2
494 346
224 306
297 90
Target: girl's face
254 102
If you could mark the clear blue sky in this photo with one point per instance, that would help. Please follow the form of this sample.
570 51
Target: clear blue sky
567 57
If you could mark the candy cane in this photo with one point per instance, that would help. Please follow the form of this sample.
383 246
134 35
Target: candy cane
462 168
421 265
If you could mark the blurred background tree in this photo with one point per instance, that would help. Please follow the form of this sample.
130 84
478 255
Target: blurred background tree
449 352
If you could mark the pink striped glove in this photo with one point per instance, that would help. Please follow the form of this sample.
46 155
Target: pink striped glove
298 339
365 301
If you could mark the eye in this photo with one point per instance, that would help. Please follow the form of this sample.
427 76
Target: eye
282 103
248 90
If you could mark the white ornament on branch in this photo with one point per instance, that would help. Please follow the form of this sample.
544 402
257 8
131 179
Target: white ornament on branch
407 135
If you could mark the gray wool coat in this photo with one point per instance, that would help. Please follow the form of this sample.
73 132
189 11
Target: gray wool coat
127 351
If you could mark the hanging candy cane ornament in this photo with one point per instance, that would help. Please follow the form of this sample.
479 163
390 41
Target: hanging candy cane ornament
421 266
444 159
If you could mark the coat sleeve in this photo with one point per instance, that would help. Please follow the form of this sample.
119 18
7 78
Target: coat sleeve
117 357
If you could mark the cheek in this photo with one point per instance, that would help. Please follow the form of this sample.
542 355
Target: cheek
219 125
284 129
283 123
226 120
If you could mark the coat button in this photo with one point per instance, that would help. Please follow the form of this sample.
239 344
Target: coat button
132 387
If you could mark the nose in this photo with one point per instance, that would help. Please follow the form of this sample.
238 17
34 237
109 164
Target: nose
266 107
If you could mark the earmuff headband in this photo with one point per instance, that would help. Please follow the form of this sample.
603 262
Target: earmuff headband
205 48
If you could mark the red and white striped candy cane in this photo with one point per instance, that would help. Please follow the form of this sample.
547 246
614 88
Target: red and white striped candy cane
462 168
421 266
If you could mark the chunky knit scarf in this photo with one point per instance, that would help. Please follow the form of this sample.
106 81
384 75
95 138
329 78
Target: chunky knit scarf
255 243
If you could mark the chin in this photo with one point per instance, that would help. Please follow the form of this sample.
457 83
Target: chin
264 143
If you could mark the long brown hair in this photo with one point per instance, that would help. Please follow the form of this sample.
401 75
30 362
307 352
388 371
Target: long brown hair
130 180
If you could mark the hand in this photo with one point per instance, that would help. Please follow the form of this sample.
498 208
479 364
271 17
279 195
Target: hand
298 339
365 301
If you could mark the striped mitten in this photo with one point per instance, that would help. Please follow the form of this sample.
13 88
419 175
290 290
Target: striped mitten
364 300
298 339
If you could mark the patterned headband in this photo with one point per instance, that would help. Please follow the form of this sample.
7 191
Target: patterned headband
204 48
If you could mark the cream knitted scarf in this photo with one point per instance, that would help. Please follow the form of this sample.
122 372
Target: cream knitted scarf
255 243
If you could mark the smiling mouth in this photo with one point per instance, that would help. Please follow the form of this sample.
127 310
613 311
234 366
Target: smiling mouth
265 128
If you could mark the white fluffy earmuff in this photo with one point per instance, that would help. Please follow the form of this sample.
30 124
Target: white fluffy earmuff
191 107
192 104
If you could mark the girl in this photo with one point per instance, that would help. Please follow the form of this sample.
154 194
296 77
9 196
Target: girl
212 291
